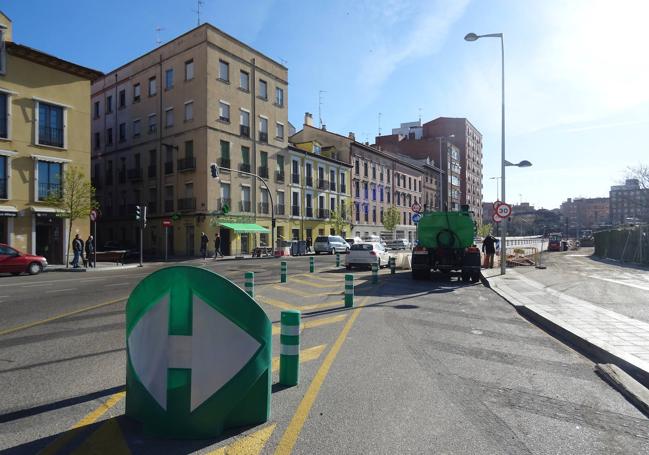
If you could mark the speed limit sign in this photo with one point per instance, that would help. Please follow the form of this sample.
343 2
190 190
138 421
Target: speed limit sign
94 215
504 210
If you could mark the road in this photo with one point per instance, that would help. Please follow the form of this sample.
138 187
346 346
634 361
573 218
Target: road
416 367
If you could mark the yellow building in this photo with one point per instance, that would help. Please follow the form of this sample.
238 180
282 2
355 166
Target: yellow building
319 190
44 127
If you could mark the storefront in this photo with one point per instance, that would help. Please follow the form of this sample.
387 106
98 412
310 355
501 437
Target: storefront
7 215
49 234
243 241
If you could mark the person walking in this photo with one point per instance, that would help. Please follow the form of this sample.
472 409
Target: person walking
77 248
489 249
204 242
90 250
217 246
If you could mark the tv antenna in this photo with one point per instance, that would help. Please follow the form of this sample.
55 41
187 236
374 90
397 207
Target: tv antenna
379 123
199 3
420 116
158 41
320 106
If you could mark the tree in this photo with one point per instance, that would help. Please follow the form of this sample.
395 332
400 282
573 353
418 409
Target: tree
391 218
484 230
641 174
75 200
340 218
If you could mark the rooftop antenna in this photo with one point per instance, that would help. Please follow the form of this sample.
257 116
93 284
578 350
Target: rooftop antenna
283 61
420 116
379 123
199 3
320 106
158 41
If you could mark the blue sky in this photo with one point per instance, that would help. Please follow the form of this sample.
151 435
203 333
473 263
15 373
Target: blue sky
576 76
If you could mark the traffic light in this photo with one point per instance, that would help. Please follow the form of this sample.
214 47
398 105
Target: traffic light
215 170
138 213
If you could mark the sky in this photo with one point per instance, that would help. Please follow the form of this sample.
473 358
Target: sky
576 73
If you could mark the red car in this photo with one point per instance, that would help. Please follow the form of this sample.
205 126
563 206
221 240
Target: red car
16 262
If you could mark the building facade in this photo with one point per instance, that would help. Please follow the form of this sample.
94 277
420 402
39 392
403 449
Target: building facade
44 129
585 213
161 120
629 203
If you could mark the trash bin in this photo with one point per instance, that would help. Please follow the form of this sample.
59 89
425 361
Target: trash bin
302 247
295 248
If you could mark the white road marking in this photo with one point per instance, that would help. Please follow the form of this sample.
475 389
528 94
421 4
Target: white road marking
117 284
623 283
61 290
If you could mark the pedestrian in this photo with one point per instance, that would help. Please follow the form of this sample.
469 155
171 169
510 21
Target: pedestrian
489 249
217 246
204 242
90 250
77 248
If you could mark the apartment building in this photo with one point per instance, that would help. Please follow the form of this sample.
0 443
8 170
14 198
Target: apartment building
161 120
319 190
44 129
629 203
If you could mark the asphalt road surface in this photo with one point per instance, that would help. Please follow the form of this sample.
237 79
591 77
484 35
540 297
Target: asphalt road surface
415 367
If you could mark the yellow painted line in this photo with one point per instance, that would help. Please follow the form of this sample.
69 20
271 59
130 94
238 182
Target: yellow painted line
107 439
289 438
60 316
314 323
60 442
316 285
249 445
320 306
306 355
340 279
304 294
287 306
276 303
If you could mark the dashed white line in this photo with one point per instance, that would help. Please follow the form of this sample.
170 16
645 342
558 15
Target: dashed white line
61 290
117 284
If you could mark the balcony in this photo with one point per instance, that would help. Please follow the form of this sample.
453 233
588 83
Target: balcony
169 167
262 171
343 189
279 177
332 186
295 179
121 176
46 190
169 206
244 167
309 212
295 210
50 136
187 203
244 130
323 214
280 209
187 164
245 206
309 180
263 137
222 202
264 207
323 184
152 170
134 174
225 162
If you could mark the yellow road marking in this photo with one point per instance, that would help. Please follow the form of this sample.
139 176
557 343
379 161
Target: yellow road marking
289 438
302 293
92 417
306 355
249 445
60 316
313 323
107 439
287 306
339 280
316 285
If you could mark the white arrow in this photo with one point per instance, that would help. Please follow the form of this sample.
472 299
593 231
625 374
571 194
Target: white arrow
216 352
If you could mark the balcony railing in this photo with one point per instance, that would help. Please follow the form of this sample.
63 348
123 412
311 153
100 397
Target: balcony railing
295 210
309 180
244 167
3 188
169 167
222 202
295 178
323 214
309 212
169 205
48 135
343 189
134 174
46 190
279 209
187 203
225 162
279 177
264 207
244 206
262 171
332 186
121 176
263 137
187 164
152 170
244 130
323 184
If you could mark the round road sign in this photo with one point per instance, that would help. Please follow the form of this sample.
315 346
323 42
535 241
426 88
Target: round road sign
496 218
496 204
416 207
94 215
416 218
504 210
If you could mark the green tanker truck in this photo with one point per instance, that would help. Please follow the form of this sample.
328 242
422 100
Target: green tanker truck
445 244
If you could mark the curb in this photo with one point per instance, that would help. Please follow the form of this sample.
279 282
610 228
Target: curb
633 391
92 269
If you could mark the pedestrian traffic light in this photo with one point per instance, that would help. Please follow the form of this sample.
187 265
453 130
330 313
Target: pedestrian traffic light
215 170
138 213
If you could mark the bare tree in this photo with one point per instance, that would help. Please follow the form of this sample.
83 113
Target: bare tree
641 174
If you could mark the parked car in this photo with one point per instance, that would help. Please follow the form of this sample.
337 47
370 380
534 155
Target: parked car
16 262
330 244
398 244
366 254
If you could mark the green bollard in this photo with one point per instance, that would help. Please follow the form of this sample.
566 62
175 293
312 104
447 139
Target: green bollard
375 273
349 290
283 271
337 259
250 284
392 265
289 358
311 264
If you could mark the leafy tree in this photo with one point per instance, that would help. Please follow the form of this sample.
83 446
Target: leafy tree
75 200
391 219
484 230
340 218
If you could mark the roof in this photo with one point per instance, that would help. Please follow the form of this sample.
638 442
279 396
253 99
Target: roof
45 59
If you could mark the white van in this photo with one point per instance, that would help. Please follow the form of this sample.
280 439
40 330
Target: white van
330 244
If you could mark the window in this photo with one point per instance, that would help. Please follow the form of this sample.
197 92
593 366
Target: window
245 155
169 117
357 167
263 125
97 141
136 92
224 71
381 194
280 164
153 123
153 88
224 111
279 96
374 172
5 110
96 111
244 81
49 179
109 104
3 52
122 99
137 128
3 177
388 176
225 153
122 132
357 191
373 193
388 198
263 89
365 169
189 70
50 125
109 137
189 111
169 79
279 131
365 190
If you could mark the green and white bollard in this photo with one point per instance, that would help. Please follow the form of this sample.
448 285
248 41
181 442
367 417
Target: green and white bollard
375 273
349 290
337 259
283 272
250 284
393 265
289 355
311 264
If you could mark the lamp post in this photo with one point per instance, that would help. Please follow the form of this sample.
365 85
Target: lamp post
497 189
441 175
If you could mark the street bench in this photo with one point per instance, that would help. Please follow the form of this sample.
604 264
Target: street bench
118 257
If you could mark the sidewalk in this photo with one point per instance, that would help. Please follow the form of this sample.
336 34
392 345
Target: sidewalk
101 267
608 335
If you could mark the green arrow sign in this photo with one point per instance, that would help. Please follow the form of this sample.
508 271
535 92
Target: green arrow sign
199 355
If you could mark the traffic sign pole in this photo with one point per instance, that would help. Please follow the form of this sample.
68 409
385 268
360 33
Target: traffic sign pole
250 284
349 290
289 356
375 273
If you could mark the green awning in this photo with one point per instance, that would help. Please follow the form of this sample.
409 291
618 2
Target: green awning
244 227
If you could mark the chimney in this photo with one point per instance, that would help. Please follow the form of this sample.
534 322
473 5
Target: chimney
352 136
308 119
324 127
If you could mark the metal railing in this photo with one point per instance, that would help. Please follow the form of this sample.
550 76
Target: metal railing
323 184
187 203
121 176
245 206
169 167
263 137
279 177
343 189
262 171
152 170
323 214
134 174
186 164
279 208
244 130
169 205
295 178
263 207
46 190
244 167
224 162
309 212
332 186
48 135
223 202
309 180
295 210
108 178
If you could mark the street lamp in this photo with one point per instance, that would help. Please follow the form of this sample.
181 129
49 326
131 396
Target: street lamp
496 179
523 163
441 176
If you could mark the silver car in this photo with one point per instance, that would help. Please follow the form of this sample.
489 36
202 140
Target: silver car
330 244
